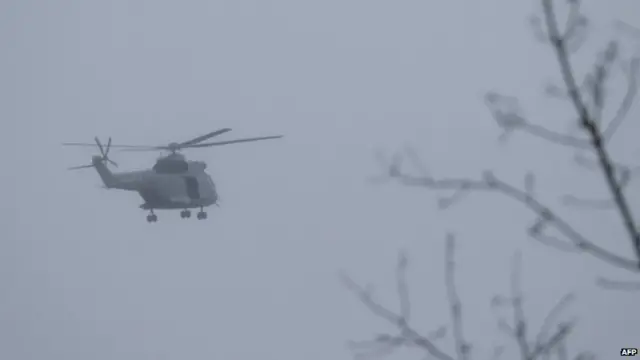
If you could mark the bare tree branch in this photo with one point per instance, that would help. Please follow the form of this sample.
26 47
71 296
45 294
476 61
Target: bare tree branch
551 241
370 350
552 316
403 289
462 347
554 137
508 116
590 100
492 183
518 310
598 204
546 343
625 174
594 165
631 74
562 332
384 345
408 334
589 124
367 299
618 285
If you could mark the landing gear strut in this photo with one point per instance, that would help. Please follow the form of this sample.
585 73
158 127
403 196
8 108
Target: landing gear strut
202 214
185 214
152 217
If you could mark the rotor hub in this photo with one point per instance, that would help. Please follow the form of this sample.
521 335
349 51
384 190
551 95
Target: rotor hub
173 147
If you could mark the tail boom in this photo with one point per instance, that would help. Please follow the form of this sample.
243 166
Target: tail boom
108 179
122 181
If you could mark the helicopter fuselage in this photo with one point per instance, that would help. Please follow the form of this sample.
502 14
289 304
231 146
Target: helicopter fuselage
171 184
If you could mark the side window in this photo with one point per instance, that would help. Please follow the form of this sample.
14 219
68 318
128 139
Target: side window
171 167
177 167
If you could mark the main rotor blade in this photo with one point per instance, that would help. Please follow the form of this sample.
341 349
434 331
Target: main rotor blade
114 146
218 143
203 137
79 144
146 148
80 167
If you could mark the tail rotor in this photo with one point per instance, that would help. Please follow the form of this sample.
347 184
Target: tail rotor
104 151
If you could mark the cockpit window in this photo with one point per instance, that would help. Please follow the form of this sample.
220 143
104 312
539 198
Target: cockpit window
171 167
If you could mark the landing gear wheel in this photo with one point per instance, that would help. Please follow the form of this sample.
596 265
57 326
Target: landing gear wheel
185 214
152 217
202 215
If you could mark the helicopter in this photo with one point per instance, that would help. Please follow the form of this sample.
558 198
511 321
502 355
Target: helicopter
172 183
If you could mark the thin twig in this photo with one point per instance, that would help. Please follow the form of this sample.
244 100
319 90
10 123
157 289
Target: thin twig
462 348
551 317
554 242
506 112
618 285
403 289
599 204
382 346
591 164
627 101
518 309
555 137
561 334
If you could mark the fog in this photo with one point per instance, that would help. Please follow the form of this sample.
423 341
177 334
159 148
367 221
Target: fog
84 276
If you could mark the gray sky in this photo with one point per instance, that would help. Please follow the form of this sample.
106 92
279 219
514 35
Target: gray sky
85 277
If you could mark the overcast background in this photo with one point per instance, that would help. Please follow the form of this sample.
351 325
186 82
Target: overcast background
84 276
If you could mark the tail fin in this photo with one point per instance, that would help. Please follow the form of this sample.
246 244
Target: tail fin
105 174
